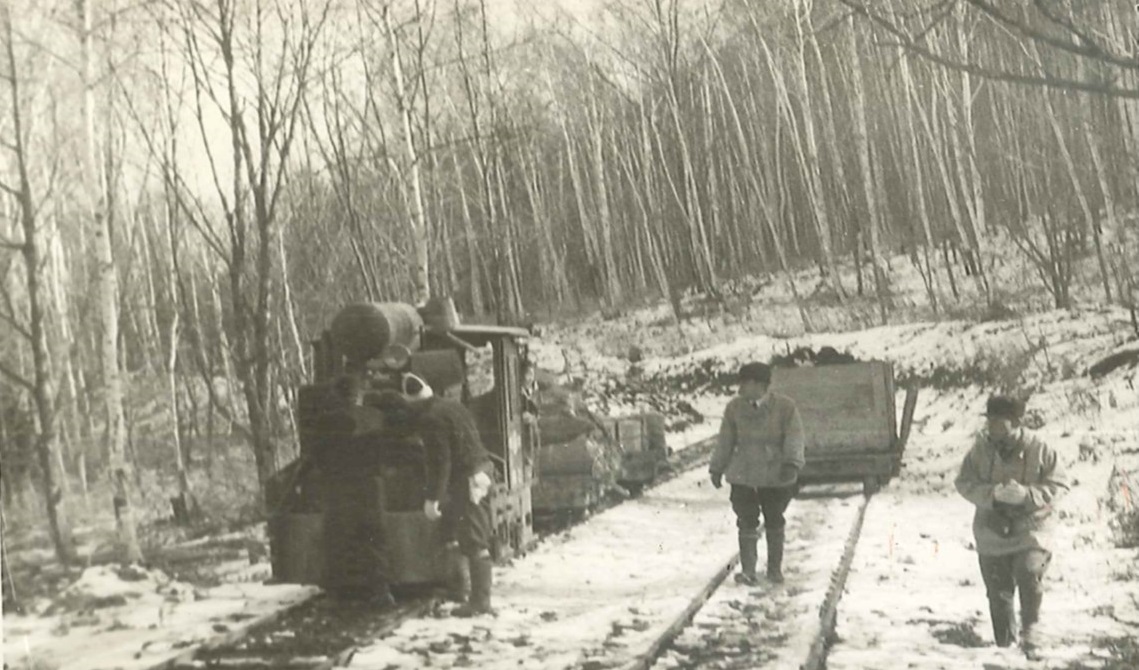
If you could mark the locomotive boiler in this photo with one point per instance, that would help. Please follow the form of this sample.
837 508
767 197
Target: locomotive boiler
353 499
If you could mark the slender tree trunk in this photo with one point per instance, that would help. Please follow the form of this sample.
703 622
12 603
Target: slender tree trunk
971 181
806 148
917 172
585 218
470 237
1078 188
185 500
550 255
613 290
420 236
108 294
830 136
651 212
689 200
1087 118
42 383
869 185
949 189
512 291
765 194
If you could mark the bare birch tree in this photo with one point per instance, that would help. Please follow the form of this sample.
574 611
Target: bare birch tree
34 329
99 220
266 51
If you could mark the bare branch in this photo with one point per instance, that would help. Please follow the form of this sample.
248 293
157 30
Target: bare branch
16 377
9 317
1091 49
913 46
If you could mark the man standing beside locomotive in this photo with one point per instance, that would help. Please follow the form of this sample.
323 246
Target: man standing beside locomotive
1012 478
458 484
760 452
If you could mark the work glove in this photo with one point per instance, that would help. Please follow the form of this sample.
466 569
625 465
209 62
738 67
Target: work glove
787 473
717 479
1010 493
431 509
479 485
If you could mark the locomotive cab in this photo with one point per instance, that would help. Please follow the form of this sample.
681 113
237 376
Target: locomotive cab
348 511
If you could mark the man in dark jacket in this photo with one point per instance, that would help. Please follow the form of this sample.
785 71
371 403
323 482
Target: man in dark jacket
760 451
458 484
1012 478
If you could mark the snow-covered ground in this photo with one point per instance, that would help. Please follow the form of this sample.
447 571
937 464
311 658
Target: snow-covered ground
134 618
601 593
603 590
767 625
915 595
914 589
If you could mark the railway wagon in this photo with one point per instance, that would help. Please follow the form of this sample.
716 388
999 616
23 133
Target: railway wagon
849 416
574 476
644 451
354 497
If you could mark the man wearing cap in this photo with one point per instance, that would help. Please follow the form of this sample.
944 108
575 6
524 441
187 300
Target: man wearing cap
1013 480
760 452
458 483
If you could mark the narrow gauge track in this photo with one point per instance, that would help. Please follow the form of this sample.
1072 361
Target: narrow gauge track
752 654
318 634
322 633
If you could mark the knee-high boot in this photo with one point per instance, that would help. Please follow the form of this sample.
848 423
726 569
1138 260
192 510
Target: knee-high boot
458 576
482 577
749 555
775 554
1004 619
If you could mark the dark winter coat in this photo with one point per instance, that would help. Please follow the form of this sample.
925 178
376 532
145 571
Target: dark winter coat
451 444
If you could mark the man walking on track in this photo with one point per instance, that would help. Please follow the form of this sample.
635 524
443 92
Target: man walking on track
1013 479
760 452
458 483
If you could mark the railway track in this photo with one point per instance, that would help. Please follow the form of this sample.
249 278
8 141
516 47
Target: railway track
322 632
318 634
749 629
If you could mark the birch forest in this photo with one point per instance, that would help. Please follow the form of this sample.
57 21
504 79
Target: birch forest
191 189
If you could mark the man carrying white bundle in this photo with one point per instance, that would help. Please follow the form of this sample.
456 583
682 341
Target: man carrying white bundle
1013 480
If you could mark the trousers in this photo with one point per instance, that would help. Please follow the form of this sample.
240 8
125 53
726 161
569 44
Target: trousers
749 501
1003 577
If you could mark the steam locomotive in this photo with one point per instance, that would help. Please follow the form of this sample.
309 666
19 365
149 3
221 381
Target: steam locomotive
353 498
